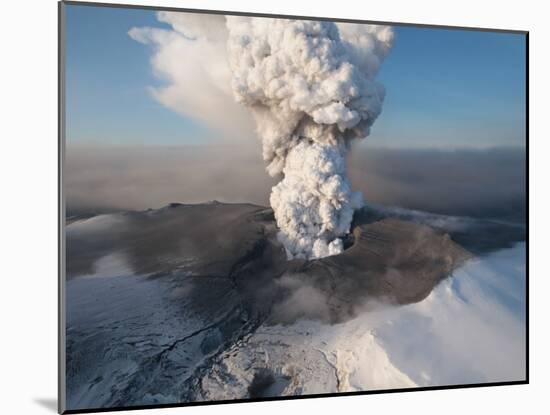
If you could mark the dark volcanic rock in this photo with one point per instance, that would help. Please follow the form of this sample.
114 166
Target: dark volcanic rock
213 236
230 251
391 260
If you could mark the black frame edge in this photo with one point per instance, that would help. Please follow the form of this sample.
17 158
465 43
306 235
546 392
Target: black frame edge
286 16
527 207
296 397
61 344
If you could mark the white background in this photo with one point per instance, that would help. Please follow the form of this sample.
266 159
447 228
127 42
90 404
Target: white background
28 151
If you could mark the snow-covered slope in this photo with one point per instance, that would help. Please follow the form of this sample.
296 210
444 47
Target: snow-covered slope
196 302
470 329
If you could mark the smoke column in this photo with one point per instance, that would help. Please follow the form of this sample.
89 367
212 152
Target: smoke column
310 86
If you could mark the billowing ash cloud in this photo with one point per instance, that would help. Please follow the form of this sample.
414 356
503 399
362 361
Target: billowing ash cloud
310 86
190 61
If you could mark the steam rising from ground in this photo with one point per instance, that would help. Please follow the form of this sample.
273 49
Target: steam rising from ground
311 90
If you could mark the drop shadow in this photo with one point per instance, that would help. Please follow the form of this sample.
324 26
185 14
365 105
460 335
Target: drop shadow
48 403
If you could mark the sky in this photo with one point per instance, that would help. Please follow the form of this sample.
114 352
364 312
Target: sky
445 89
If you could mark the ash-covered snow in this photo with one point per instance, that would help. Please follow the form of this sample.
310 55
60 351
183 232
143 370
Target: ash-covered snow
153 318
470 329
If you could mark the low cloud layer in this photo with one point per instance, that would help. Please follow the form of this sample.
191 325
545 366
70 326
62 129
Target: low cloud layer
479 183
485 183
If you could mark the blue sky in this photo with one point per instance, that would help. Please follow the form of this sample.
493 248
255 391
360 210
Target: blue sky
445 88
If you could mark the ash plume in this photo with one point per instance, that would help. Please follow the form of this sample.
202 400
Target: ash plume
310 86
